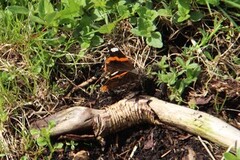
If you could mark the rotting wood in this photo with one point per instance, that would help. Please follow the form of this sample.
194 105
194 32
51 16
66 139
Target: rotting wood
196 122
141 109
123 114
69 120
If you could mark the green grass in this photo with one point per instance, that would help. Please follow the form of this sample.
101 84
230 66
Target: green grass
42 43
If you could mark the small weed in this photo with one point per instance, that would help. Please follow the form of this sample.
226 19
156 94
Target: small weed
71 144
3 119
146 27
219 107
92 88
24 158
206 36
177 78
43 139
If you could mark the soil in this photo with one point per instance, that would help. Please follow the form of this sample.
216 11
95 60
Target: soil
146 141
143 141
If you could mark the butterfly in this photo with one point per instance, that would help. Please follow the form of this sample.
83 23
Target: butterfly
119 71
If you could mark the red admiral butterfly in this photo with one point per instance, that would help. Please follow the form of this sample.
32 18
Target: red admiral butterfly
119 70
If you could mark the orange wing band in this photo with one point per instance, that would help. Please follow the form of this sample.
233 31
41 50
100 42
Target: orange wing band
110 59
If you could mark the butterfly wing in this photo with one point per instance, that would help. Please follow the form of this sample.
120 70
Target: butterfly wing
119 68
117 61
120 79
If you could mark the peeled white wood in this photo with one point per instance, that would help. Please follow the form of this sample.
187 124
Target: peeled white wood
196 122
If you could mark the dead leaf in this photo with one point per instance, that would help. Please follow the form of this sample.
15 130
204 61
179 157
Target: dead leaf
149 144
203 100
81 155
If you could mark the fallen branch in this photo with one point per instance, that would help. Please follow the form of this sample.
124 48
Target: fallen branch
141 109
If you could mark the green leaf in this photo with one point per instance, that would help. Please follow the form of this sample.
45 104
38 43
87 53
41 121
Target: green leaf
208 55
147 13
99 3
162 64
6 76
183 18
230 156
151 14
135 8
181 87
192 66
85 45
50 18
24 158
165 12
144 28
58 145
45 7
99 15
79 2
183 10
189 80
41 10
96 40
51 124
136 32
41 141
181 72
196 16
172 77
184 5
36 19
37 68
169 78
123 11
142 11
72 9
155 40
107 28
82 53
238 153
204 2
18 9
193 72
50 63
180 62
34 132
163 77
85 31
